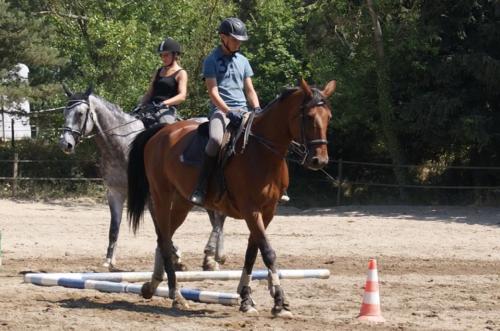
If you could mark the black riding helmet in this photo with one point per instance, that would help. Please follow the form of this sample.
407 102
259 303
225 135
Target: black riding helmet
234 27
169 45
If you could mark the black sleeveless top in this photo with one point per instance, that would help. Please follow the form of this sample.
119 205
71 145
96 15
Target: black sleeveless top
165 87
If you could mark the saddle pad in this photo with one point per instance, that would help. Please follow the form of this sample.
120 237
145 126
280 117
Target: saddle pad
193 154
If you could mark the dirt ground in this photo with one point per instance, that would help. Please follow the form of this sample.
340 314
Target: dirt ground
439 268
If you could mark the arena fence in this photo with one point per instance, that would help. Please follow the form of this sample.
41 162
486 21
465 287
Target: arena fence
339 180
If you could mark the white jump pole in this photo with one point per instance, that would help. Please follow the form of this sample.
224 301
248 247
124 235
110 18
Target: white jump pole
182 276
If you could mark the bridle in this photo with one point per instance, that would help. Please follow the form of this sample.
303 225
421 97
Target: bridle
78 134
300 148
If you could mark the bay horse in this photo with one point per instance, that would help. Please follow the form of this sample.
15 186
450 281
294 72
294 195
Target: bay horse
86 114
255 180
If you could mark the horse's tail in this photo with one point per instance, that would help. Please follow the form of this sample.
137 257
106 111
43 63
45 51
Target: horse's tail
138 185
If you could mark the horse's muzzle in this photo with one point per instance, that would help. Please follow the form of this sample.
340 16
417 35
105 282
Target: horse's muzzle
317 162
67 143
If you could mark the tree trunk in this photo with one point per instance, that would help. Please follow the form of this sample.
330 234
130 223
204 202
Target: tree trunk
385 104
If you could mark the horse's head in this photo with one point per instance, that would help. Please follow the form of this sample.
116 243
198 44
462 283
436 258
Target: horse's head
309 129
78 119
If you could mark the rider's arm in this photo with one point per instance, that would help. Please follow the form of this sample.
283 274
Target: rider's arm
213 93
147 96
252 97
182 80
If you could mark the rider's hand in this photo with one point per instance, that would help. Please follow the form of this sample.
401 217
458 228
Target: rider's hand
257 110
137 109
235 117
157 105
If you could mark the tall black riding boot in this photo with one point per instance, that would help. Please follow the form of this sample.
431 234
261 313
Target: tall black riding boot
198 196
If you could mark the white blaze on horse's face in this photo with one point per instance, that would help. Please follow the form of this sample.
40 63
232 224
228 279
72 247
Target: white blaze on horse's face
78 123
317 126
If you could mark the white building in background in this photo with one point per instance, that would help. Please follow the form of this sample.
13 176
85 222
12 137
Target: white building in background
22 128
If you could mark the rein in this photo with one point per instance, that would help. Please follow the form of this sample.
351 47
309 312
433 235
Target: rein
80 134
302 148
113 128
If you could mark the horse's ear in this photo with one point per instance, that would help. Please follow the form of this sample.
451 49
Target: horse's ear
329 88
304 86
67 90
89 90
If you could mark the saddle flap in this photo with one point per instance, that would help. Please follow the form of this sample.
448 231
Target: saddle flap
193 154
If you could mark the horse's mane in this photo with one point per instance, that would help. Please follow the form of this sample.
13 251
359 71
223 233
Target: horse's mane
287 91
76 97
111 106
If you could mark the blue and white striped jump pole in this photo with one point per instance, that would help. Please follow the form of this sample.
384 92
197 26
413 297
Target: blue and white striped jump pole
112 281
182 276
117 287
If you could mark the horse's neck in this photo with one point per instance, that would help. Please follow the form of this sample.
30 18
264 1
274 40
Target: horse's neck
109 119
273 125
114 131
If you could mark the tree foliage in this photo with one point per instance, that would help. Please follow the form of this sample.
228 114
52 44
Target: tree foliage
25 39
441 66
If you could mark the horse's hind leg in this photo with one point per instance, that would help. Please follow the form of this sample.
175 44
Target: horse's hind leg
176 255
214 249
116 200
169 215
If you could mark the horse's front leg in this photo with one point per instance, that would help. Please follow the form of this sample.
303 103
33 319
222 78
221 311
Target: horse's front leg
116 200
214 249
168 216
258 231
247 305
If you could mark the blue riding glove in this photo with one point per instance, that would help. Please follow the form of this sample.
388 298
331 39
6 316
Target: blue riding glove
257 110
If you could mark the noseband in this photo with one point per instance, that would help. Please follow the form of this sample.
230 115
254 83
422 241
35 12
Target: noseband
78 134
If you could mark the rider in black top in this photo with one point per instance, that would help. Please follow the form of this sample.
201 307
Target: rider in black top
168 87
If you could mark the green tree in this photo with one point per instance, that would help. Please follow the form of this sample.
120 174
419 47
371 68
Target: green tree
276 43
112 44
24 39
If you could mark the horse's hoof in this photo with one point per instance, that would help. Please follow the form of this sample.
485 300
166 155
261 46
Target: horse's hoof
179 266
249 311
211 267
106 263
222 259
282 313
180 303
110 264
146 291
209 264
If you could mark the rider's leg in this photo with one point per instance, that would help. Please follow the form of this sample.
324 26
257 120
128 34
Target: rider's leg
217 127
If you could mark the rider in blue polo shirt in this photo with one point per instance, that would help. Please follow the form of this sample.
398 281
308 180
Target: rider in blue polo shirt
228 77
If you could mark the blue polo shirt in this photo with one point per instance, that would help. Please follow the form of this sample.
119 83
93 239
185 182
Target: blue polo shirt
230 72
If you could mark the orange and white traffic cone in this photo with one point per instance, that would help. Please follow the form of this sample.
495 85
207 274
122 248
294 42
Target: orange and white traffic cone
370 307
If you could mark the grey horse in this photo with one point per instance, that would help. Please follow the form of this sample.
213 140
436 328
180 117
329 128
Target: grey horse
87 115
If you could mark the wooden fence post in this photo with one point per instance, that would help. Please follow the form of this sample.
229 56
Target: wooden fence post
15 171
16 160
